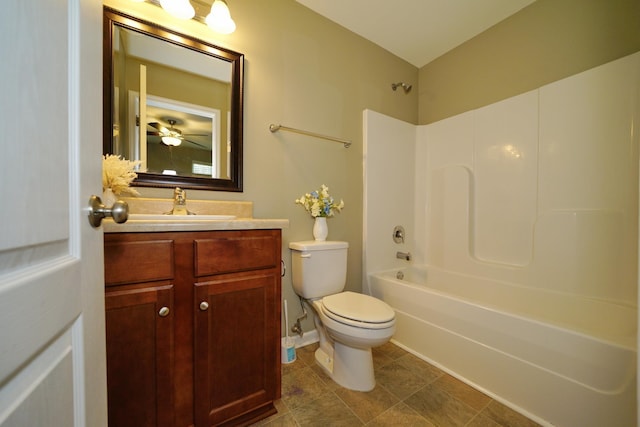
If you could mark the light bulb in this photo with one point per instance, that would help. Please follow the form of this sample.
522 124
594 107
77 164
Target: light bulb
181 9
171 141
219 19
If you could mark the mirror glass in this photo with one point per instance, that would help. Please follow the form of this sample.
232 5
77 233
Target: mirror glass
174 103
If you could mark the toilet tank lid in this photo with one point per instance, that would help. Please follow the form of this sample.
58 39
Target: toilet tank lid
318 245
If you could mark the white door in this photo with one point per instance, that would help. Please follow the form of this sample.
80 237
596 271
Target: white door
52 355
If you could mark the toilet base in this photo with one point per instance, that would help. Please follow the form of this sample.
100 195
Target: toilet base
350 367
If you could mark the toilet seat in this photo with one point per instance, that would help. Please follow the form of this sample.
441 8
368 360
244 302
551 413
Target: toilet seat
359 310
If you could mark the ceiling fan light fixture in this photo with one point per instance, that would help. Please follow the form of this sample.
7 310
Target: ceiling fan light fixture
171 141
181 9
219 19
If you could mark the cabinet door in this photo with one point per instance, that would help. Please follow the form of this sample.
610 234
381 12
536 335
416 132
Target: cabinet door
236 347
139 323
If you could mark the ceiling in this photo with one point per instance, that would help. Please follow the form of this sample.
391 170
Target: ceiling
417 31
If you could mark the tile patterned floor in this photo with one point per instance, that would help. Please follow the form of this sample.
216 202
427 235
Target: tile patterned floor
409 392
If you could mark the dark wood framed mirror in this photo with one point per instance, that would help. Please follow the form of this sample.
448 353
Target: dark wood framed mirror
173 102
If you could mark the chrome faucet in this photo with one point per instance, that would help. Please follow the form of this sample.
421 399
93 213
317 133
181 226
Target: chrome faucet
404 255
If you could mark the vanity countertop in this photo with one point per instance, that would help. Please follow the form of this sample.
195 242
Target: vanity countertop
242 210
191 225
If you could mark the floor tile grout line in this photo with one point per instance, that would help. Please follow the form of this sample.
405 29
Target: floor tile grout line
348 407
450 396
381 413
491 400
473 418
301 407
459 401
393 406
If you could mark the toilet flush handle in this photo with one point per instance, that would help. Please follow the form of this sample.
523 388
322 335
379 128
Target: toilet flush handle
305 255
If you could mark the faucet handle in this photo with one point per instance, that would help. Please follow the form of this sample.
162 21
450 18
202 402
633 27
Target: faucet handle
398 234
180 203
179 196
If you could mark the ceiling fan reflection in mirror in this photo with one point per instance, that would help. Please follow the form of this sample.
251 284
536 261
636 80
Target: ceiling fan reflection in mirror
173 136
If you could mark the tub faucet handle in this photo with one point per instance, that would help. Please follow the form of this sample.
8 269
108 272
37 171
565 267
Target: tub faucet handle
398 234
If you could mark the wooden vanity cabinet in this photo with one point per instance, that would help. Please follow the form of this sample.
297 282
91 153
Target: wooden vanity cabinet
139 355
193 327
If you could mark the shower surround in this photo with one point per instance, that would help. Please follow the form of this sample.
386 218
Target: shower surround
538 192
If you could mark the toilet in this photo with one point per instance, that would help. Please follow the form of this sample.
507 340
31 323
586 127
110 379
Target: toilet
349 324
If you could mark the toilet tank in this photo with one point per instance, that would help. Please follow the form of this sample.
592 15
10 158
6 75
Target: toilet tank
319 268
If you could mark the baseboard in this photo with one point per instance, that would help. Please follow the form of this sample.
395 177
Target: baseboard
307 338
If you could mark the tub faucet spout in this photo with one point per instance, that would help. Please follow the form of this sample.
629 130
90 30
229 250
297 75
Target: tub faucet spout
404 255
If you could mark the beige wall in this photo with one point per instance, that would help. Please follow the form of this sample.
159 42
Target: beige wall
544 42
302 71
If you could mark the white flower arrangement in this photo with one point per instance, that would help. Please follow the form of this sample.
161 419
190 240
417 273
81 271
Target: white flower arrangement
319 203
118 173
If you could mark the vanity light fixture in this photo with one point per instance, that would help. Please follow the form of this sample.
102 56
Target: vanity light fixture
181 9
219 19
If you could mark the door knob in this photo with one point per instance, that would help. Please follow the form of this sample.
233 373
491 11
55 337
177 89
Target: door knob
119 211
204 306
164 312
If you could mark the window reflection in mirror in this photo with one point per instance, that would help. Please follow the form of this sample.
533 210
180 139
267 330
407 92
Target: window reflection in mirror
176 105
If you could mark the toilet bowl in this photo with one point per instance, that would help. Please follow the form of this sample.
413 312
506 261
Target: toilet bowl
349 324
345 342
356 319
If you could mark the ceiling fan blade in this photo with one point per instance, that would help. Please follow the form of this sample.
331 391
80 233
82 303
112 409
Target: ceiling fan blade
196 143
156 129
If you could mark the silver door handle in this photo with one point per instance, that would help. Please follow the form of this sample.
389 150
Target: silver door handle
119 211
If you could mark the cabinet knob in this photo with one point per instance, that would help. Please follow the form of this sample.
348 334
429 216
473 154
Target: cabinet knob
204 306
164 312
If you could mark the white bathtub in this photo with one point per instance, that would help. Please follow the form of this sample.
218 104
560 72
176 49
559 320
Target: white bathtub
559 359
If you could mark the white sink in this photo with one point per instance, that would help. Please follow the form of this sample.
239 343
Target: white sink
176 218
